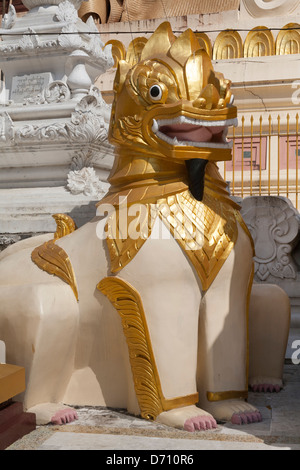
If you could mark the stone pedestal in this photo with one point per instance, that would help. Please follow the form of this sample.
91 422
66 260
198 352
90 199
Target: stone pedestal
54 152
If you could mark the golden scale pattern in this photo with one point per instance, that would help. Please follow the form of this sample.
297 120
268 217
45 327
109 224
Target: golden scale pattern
206 231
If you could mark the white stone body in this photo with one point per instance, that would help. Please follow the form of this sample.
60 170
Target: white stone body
76 353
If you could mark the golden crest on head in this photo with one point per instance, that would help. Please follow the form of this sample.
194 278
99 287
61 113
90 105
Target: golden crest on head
166 93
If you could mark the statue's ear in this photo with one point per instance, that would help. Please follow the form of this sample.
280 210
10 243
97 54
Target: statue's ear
196 173
121 74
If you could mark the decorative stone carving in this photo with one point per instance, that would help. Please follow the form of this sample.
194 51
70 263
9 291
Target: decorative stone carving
87 124
259 8
26 87
51 116
6 128
30 41
9 19
38 3
85 181
83 159
274 226
56 92
66 13
66 18
82 178
7 240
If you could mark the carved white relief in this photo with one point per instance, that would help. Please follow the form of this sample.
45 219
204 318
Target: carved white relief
37 3
6 240
71 38
85 181
9 19
27 44
87 125
83 159
274 226
6 128
259 8
66 13
56 92
29 41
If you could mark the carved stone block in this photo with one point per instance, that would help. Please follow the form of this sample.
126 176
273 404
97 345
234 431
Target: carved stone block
274 225
51 112
23 87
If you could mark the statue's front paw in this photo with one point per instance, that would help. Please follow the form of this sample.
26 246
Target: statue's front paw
64 416
234 411
247 417
55 413
200 423
189 418
265 384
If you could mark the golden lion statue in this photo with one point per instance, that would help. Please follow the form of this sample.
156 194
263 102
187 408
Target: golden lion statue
150 306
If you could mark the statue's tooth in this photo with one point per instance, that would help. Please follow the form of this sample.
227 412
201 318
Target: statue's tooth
175 141
225 133
154 126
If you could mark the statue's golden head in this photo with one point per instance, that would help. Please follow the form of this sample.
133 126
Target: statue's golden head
170 103
172 100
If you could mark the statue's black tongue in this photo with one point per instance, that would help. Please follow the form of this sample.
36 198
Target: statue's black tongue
196 172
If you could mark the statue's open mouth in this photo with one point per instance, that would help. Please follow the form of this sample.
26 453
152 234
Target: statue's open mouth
186 131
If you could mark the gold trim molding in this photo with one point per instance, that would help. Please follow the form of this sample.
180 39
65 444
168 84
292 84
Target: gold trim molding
288 40
52 258
128 303
229 395
259 43
64 225
228 45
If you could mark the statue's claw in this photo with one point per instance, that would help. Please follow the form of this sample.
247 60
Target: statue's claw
189 418
266 388
265 384
64 416
246 418
200 423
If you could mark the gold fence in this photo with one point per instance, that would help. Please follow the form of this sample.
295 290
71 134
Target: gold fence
265 157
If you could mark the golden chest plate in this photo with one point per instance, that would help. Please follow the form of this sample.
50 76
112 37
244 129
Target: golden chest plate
206 231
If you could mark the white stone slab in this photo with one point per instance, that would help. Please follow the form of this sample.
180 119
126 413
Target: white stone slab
26 86
80 441
30 210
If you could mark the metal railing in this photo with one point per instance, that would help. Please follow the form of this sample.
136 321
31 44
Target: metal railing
265 157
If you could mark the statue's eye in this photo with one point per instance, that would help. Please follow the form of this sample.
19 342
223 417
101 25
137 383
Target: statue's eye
156 92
